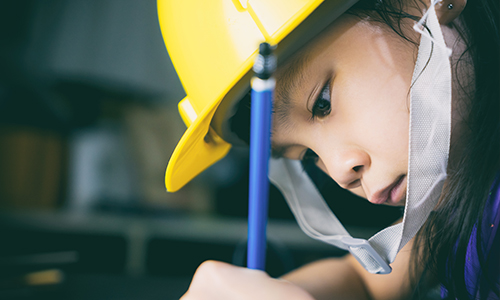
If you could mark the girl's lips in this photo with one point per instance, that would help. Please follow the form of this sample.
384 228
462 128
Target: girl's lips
398 192
392 194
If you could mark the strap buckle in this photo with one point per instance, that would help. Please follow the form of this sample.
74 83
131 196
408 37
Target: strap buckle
366 255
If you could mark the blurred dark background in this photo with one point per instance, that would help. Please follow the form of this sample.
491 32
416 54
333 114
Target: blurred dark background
88 120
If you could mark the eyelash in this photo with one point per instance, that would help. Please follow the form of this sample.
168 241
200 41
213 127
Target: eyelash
322 106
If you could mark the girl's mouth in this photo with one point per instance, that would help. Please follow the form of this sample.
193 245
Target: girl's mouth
398 192
392 194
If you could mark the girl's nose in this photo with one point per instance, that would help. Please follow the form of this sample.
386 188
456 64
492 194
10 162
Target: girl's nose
346 166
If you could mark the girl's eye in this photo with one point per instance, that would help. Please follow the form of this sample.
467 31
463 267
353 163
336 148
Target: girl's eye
322 106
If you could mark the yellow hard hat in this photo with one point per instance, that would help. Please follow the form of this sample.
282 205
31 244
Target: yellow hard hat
212 44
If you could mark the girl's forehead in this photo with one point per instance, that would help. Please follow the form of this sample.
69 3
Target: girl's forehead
350 48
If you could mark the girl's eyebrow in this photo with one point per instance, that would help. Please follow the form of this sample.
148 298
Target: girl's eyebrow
288 80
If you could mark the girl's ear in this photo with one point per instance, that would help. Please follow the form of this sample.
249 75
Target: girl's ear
449 10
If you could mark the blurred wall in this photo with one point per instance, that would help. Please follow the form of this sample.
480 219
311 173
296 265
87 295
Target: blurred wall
88 114
114 44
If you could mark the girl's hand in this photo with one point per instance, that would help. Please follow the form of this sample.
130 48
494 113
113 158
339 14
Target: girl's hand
221 281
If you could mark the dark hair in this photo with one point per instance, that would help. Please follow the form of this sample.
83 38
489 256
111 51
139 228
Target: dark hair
467 189
440 247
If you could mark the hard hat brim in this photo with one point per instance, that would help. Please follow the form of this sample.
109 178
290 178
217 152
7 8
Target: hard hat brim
212 45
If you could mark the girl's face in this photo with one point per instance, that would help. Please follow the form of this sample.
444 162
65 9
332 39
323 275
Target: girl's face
346 98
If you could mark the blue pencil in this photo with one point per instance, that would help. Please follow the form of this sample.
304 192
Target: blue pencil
260 136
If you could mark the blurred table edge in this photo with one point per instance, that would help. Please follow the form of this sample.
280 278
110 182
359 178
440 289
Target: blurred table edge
138 230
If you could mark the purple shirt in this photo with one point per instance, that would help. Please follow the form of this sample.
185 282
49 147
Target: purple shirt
491 243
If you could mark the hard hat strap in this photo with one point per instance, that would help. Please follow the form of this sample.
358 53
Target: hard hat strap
429 143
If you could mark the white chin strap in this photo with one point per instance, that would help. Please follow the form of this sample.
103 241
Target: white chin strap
430 125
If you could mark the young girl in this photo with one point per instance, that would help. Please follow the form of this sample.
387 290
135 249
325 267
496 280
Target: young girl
342 102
